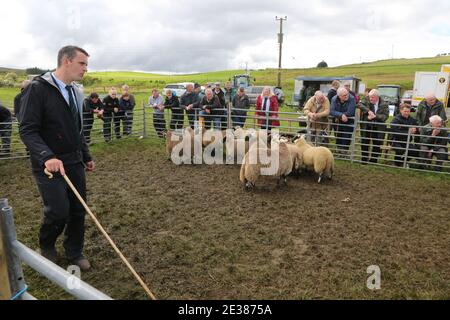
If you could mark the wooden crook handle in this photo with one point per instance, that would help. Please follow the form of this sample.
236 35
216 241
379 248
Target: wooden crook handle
48 173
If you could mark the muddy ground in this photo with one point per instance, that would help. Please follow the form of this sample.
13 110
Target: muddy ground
192 232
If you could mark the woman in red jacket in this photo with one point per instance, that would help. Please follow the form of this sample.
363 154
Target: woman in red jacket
267 109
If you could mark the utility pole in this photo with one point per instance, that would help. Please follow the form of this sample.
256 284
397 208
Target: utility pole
280 41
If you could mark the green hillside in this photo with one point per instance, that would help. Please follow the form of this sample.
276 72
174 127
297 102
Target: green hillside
6 70
397 71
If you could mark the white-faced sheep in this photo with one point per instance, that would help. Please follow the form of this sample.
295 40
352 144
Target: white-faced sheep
173 138
277 164
181 145
296 155
317 159
238 143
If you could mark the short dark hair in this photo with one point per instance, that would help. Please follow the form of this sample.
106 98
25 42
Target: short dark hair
404 106
94 95
70 52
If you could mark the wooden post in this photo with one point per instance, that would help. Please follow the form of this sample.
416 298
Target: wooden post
5 290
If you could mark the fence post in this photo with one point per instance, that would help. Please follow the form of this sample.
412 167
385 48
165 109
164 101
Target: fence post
229 123
353 146
308 130
15 272
144 129
405 160
5 289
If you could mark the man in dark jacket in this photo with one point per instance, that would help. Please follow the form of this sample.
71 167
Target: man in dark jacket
375 112
343 110
428 107
189 101
347 86
434 140
333 91
91 105
17 98
402 127
5 131
241 104
111 113
221 113
51 128
172 103
127 104
211 109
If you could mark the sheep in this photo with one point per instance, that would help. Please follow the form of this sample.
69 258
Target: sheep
182 148
172 142
296 155
250 172
318 159
238 144
240 133
236 150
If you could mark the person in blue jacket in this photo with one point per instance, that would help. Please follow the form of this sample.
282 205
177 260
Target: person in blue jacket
343 112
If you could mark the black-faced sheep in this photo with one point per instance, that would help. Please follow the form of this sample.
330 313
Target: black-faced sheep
317 159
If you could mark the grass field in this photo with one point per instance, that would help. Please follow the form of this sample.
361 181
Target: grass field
397 71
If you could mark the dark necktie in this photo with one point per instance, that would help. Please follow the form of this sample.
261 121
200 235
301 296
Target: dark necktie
73 107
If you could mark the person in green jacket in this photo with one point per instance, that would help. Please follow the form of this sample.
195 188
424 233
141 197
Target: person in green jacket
375 112
428 107
434 140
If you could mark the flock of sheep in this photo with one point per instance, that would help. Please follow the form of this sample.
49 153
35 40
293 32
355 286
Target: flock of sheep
255 150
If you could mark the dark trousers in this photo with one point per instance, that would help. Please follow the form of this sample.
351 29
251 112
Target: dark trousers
88 121
107 121
191 117
368 136
400 150
427 153
119 117
5 135
159 123
62 210
177 120
344 133
223 118
239 120
128 126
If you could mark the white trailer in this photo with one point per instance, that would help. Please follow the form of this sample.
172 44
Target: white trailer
324 84
435 82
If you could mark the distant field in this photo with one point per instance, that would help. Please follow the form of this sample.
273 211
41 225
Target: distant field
398 71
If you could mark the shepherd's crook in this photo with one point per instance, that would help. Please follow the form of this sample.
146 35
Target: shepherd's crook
147 290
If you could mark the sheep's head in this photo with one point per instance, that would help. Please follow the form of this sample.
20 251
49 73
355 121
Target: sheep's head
300 140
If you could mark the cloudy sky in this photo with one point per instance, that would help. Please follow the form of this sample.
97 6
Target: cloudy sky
195 36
